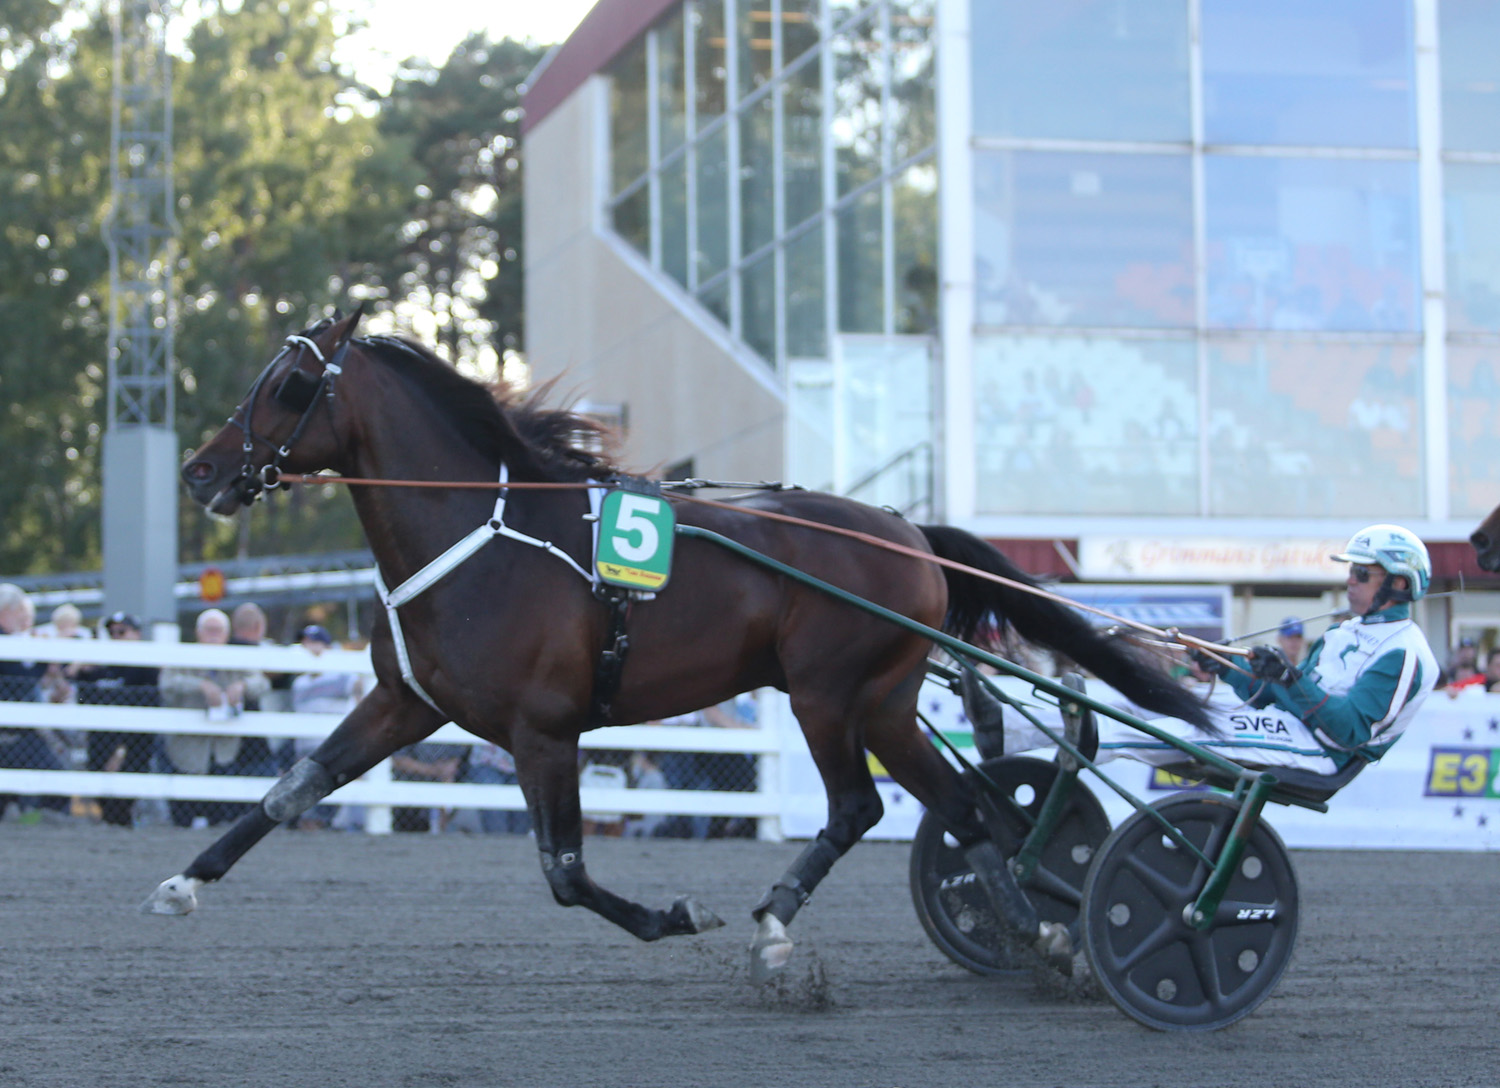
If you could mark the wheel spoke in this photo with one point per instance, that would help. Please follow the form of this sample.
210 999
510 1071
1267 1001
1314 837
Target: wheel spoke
1048 882
1166 890
1206 967
1160 937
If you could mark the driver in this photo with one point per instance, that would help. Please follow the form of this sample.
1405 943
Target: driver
1359 688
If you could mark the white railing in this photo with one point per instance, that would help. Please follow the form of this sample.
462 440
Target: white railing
376 789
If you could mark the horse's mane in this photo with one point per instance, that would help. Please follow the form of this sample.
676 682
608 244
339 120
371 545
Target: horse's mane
534 440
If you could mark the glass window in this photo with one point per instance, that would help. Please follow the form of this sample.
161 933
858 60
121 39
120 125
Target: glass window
883 405
674 218
752 29
1320 72
799 28
913 78
861 265
809 411
715 299
802 143
1085 70
1079 239
857 75
629 149
1067 425
1326 244
632 219
914 200
1467 32
757 175
710 61
1473 428
806 320
1314 430
713 206
1473 249
758 307
671 82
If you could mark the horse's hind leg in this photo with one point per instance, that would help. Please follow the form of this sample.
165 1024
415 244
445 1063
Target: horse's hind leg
854 807
378 726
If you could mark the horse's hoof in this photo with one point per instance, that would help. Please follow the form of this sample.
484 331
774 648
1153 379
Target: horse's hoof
698 916
1055 944
770 950
176 895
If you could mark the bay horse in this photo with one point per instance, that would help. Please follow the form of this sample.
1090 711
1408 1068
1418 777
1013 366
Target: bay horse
505 644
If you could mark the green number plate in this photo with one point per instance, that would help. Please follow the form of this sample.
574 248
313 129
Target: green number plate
635 540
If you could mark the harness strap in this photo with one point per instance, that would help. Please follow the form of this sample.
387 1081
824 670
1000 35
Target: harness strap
429 575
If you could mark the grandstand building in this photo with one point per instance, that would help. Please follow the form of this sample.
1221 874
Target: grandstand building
1170 291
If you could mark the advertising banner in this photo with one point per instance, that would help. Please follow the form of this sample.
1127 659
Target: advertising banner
1437 789
1209 559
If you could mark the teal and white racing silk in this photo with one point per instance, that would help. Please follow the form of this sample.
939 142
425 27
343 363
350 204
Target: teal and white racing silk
1361 685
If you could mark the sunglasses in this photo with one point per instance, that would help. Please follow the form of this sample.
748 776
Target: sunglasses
1360 572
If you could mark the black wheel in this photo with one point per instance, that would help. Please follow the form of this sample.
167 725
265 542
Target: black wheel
951 905
1155 966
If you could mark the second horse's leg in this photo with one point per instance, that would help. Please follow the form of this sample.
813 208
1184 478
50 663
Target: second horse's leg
374 729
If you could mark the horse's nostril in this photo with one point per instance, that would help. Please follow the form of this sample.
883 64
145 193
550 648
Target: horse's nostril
198 471
1480 541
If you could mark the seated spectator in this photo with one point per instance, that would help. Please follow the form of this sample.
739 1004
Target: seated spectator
221 694
119 685
21 682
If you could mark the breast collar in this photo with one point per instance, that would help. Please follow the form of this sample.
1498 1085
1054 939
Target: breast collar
434 571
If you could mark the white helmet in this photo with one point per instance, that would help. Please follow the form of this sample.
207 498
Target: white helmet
1396 549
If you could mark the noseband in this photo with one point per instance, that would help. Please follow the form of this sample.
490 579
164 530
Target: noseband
299 391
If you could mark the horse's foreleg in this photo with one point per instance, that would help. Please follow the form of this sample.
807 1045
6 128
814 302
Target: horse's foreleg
548 774
378 726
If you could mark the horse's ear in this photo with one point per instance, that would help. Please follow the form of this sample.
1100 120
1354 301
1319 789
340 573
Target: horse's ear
343 327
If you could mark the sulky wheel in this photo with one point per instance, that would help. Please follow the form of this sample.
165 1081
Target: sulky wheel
1152 963
951 905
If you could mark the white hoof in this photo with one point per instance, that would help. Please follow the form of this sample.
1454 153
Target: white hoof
1054 941
176 895
770 950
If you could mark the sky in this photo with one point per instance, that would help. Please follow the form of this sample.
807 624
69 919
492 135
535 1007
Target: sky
431 28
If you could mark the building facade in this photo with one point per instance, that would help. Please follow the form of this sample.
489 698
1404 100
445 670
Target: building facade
1190 276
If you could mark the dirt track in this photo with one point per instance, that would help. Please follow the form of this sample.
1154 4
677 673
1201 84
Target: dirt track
328 960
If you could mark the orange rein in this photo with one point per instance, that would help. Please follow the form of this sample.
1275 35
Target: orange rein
1212 649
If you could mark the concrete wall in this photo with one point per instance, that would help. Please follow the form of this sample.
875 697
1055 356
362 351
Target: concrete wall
614 331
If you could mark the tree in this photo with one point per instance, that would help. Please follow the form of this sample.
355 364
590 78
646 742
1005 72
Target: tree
462 124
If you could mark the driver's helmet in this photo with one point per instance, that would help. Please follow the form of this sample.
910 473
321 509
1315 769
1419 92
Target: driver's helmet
1396 549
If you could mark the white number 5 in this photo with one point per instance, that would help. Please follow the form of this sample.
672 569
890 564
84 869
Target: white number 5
634 516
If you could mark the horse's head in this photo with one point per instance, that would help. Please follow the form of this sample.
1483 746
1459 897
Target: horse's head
1486 541
285 422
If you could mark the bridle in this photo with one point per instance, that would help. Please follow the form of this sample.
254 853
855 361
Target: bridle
299 391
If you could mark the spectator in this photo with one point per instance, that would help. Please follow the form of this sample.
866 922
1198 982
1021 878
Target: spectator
119 685
492 765
67 622
1492 672
645 774
21 682
221 694
1291 639
319 693
426 761
247 627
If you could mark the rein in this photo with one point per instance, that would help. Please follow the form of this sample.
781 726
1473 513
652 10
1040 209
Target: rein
1173 635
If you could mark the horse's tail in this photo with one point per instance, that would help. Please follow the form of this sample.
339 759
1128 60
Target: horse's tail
977 606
